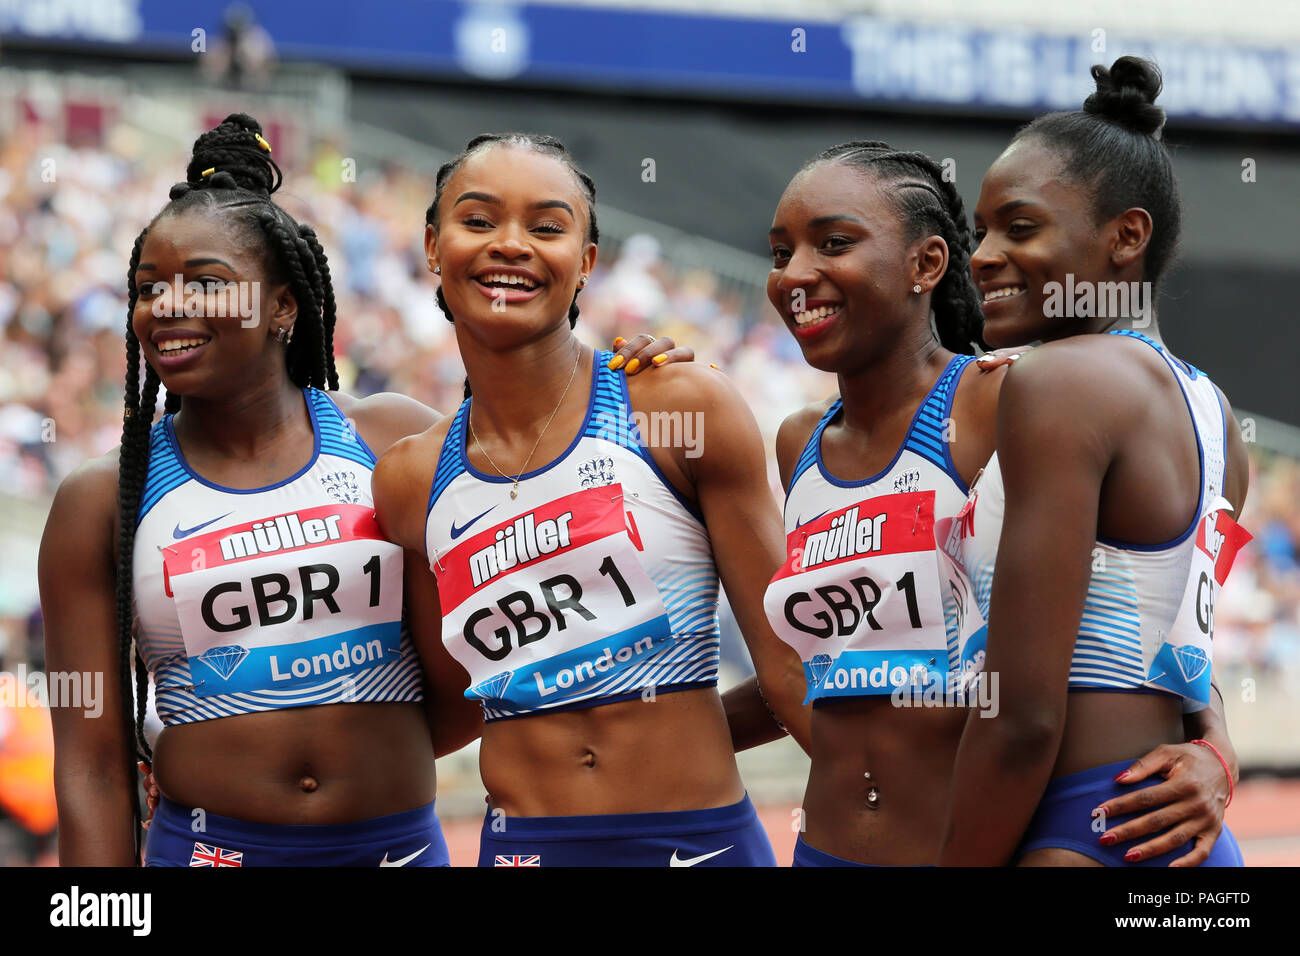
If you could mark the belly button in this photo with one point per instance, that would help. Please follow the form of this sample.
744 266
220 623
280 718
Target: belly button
308 784
589 759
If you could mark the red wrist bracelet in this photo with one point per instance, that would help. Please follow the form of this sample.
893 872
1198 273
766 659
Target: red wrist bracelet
1206 743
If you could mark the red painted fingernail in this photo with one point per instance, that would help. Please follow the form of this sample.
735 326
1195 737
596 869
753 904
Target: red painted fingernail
1107 839
1132 856
1120 776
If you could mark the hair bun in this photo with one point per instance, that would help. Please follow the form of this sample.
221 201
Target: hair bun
1126 95
234 150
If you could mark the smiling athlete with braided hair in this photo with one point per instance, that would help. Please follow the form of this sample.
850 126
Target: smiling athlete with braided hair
867 241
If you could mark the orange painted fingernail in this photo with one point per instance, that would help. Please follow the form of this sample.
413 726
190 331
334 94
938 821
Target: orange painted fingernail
633 365
660 359
616 363
711 365
618 342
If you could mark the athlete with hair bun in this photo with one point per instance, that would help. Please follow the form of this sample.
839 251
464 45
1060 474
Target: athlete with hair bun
231 550
574 559
1107 511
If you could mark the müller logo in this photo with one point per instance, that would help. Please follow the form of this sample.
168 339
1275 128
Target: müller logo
280 534
524 539
846 536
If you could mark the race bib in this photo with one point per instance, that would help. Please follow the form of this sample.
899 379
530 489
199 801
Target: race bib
858 597
553 605
951 535
287 601
1182 663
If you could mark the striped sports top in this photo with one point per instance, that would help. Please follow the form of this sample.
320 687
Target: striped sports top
595 583
862 595
267 598
1148 616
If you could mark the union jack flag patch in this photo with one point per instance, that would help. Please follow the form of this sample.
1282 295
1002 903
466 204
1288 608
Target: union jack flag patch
516 860
205 854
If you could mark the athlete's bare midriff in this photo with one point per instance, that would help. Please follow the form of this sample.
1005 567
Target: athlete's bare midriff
666 754
909 753
1102 728
333 763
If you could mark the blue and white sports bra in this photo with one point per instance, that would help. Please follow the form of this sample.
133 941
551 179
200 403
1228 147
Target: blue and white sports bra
268 598
862 595
1148 617
594 584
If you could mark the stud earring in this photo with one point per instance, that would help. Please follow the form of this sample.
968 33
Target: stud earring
283 335
917 288
437 270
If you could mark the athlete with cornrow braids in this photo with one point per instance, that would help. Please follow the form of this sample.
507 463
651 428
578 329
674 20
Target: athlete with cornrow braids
231 551
867 242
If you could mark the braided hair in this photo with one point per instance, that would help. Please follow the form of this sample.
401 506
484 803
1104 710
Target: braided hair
230 174
1113 147
548 146
928 204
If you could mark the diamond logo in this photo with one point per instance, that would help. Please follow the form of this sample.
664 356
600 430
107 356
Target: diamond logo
494 686
1192 661
224 659
820 664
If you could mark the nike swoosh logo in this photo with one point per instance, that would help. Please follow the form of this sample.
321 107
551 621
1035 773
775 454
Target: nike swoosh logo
800 522
696 859
180 532
457 532
404 860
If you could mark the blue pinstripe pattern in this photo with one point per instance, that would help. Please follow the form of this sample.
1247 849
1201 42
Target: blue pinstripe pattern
811 450
165 471
337 436
925 437
451 461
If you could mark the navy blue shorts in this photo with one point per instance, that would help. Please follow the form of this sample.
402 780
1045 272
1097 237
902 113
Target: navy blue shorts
1063 820
721 836
805 855
179 836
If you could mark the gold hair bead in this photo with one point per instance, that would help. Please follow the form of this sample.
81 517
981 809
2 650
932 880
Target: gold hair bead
261 142
128 413
208 172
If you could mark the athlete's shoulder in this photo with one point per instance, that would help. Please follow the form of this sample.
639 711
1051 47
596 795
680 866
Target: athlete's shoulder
1237 482
795 431
682 386
385 417
85 504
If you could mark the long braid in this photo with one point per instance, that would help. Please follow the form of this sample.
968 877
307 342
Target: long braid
329 314
137 419
928 202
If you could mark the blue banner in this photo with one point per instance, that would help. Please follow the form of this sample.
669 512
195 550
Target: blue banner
863 60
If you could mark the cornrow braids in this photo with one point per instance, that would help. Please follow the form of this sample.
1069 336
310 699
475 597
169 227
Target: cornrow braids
928 203
241 177
540 143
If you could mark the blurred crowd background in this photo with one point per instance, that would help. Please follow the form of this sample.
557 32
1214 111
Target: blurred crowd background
78 184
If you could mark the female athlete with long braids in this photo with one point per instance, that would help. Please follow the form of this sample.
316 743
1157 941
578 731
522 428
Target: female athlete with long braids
576 583
867 241
1106 508
231 550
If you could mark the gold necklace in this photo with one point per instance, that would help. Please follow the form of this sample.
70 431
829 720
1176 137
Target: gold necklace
514 491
